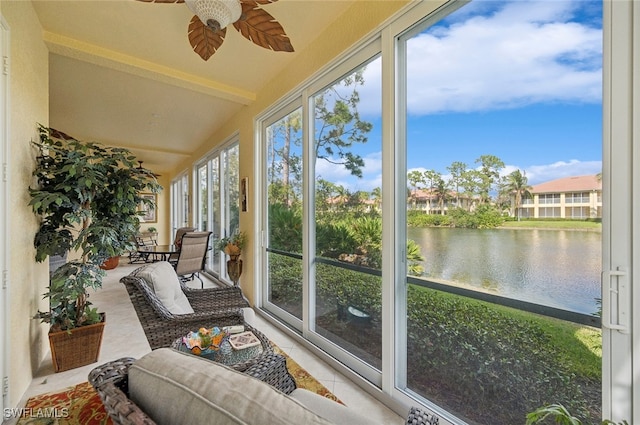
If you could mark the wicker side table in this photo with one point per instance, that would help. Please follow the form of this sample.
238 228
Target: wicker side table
239 360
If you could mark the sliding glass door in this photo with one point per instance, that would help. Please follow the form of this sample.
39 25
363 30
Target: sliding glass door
346 256
283 206
217 203
502 310
471 284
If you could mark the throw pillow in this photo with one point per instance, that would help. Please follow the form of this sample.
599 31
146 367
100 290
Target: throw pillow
163 281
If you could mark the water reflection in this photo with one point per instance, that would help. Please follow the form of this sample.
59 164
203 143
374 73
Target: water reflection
557 268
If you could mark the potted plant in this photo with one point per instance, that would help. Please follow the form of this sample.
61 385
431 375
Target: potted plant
233 246
88 198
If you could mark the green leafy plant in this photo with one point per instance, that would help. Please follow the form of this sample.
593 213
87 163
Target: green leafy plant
233 245
88 198
560 415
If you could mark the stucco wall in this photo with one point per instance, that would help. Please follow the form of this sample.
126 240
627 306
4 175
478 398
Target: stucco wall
28 104
359 20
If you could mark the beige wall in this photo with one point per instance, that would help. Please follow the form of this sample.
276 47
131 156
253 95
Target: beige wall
358 21
28 105
163 212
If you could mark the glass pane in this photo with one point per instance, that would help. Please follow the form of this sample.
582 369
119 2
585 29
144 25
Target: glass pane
504 104
231 190
203 192
348 220
214 258
284 200
230 187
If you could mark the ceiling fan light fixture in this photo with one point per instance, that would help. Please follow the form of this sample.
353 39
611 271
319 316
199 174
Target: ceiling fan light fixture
216 14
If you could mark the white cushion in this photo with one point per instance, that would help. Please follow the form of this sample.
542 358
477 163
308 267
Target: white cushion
163 281
173 388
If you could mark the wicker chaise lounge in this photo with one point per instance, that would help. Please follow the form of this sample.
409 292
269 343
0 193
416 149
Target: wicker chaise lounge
211 307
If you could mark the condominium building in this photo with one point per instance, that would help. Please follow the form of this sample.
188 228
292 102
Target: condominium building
578 197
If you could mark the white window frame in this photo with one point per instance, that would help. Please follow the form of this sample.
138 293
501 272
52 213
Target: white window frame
179 192
621 216
4 213
272 116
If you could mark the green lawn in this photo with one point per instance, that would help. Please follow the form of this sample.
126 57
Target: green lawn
548 224
579 345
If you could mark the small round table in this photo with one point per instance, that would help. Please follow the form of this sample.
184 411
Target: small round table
239 360
163 250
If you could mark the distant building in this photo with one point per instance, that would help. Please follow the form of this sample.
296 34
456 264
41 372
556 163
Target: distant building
577 197
429 201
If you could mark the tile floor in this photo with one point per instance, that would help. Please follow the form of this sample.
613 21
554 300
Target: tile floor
124 337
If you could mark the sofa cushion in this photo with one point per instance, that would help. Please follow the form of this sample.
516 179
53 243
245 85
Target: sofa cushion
178 388
163 281
328 409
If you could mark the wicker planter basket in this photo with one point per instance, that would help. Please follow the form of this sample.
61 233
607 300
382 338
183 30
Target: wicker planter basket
79 347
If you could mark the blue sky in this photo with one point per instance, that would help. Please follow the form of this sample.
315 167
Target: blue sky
518 80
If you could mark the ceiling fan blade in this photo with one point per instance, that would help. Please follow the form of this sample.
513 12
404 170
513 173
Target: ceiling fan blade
203 39
259 26
253 2
162 1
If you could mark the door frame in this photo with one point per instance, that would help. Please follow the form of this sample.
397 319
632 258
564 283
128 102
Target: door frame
4 211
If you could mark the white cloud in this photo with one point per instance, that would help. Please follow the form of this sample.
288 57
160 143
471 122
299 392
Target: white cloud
525 53
484 59
339 175
542 173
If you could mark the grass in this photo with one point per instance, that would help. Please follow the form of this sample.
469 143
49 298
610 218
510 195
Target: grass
580 346
549 224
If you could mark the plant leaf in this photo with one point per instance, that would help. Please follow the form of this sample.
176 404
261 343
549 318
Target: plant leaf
204 40
261 28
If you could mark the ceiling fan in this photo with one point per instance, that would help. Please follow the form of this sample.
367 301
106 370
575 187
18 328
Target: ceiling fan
208 28
140 167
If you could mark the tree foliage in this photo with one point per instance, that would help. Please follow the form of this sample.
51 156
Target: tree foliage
87 196
338 125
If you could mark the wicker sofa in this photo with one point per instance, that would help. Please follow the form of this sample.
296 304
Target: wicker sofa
170 387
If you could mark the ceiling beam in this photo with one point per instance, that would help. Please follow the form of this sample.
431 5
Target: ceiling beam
75 49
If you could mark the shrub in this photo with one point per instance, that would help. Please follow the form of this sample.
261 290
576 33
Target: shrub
333 239
285 228
483 357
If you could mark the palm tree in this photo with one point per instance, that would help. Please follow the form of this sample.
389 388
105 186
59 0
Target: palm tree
517 184
441 192
415 179
376 195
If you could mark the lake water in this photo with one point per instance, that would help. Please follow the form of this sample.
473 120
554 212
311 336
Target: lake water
557 268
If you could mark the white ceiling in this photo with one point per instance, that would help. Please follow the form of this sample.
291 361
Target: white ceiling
122 72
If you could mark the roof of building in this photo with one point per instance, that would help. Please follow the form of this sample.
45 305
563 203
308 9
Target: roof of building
569 184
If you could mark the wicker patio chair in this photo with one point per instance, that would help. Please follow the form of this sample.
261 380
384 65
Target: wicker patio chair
211 306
